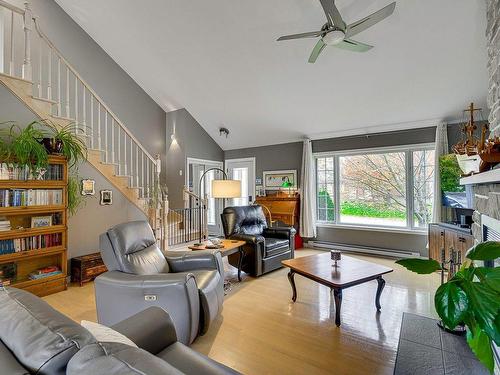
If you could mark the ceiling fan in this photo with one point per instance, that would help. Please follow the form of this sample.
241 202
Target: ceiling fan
335 32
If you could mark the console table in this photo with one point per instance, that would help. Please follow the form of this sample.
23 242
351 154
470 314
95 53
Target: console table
425 349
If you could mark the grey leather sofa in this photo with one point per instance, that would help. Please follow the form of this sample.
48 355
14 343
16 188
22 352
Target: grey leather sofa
188 285
36 339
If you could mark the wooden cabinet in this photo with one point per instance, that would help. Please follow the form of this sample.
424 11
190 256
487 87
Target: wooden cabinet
86 268
447 237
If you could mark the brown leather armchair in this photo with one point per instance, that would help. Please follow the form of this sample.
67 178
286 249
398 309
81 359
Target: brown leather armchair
265 247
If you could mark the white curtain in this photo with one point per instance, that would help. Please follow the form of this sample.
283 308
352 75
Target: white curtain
308 198
441 149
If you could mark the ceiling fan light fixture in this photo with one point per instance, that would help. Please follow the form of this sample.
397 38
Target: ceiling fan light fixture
333 37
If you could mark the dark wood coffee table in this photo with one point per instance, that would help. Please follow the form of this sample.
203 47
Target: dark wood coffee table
349 272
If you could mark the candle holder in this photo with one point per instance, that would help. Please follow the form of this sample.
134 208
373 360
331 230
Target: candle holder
336 256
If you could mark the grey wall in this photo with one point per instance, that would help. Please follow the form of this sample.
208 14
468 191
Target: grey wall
289 156
132 105
270 158
139 113
192 141
92 219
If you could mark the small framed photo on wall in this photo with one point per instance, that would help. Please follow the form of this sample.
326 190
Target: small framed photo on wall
88 187
106 197
275 180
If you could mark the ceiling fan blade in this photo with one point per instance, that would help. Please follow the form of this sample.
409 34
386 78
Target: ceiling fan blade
312 34
332 14
372 19
316 51
352 45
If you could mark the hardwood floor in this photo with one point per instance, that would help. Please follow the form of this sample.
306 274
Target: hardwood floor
262 332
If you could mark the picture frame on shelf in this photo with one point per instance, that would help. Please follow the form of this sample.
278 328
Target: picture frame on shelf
41 221
106 197
88 187
260 191
274 180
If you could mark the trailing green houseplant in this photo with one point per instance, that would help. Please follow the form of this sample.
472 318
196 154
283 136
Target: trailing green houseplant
21 145
75 199
470 297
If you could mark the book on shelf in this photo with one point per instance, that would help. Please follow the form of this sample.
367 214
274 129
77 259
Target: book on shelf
42 241
53 172
30 197
44 272
4 224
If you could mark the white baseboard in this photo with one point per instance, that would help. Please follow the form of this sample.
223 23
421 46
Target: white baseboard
361 249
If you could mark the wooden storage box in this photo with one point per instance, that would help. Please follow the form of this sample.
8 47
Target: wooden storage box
86 268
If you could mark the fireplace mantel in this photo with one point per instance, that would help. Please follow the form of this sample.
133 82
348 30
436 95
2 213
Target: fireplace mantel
488 177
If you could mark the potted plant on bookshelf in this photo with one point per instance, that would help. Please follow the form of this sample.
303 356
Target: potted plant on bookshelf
22 147
471 297
67 143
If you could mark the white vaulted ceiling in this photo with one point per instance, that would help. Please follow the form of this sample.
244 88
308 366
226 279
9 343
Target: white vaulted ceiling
220 60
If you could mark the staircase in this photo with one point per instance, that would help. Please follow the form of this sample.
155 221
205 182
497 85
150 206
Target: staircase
39 75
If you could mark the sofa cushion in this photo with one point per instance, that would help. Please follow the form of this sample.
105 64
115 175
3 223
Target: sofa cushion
42 339
274 246
9 363
107 358
106 334
190 362
211 295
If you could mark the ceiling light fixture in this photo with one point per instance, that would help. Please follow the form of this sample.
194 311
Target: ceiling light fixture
223 131
334 37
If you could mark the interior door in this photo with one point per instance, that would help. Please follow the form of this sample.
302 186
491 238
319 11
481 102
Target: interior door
196 168
244 171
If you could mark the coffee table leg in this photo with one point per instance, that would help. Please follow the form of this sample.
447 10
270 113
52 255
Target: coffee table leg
291 278
240 262
381 284
337 295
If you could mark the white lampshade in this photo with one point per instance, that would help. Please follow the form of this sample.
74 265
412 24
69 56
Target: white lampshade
226 189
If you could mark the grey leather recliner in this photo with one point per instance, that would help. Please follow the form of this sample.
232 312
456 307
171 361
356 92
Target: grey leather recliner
188 285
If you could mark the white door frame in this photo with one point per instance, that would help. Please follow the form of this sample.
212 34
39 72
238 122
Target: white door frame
237 160
216 229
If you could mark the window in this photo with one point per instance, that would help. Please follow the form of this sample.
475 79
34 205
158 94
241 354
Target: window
382 188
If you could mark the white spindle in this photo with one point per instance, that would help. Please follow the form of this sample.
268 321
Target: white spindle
106 140
91 121
28 21
119 153
49 83
59 86
137 164
148 163
112 140
131 161
11 64
99 125
84 109
125 153
67 92
76 104
142 175
40 68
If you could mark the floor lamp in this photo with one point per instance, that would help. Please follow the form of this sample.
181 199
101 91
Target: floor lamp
224 188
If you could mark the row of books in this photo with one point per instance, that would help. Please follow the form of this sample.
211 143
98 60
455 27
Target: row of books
44 272
4 224
53 172
30 197
42 241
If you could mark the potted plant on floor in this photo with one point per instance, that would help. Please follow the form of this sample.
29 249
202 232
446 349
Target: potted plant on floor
471 297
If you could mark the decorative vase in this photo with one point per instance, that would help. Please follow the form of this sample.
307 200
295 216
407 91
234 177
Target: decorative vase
48 143
58 146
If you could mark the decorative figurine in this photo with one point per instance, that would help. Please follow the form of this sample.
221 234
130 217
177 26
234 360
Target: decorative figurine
336 256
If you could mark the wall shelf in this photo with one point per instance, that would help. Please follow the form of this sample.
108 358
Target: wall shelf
488 177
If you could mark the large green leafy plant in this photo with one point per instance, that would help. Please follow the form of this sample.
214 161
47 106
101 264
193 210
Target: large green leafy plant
73 147
470 297
21 145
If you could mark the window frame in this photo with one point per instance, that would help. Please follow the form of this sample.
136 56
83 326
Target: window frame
408 150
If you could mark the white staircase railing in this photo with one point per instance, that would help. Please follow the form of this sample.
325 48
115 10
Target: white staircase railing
56 81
